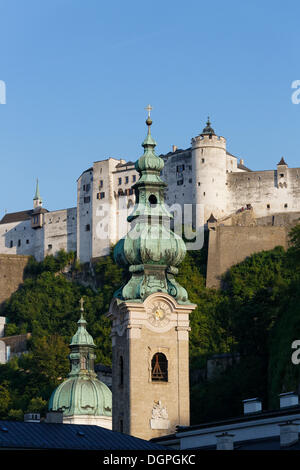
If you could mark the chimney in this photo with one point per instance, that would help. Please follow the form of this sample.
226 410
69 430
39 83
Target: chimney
225 441
252 405
32 417
288 399
54 417
241 161
288 434
174 148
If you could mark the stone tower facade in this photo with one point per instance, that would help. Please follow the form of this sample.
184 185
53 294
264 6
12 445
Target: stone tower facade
209 175
150 315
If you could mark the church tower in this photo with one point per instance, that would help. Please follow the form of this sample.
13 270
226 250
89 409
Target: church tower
150 314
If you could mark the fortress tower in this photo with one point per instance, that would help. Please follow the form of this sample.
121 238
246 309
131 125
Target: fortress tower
209 172
150 315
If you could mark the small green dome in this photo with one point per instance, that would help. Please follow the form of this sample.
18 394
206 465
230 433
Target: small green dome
82 396
82 393
82 337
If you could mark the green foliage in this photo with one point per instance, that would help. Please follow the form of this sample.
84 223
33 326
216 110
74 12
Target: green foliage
37 405
5 398
255 318
15 415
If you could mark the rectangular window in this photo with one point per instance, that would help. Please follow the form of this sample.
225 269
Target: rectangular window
27 242
203 160
87 228
180 182
126 179
86 199
131 191
11 244
19 242
101 184
49 247
180 168
133 178
102 195
87 187
119 181
268 206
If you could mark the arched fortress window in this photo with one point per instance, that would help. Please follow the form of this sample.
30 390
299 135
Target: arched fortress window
121 370
159 366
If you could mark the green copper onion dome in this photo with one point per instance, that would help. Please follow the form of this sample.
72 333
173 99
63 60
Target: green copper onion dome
82 337
150 250
82 393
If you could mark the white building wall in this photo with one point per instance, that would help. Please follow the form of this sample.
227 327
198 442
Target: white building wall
84 215
22 236
104 207
60 231
266 191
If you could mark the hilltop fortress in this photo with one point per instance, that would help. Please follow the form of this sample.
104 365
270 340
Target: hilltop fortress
245 211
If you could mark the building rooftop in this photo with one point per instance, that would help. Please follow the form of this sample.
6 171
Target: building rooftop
20 435
20 216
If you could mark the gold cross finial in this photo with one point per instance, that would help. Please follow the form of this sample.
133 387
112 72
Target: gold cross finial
81 301
149 109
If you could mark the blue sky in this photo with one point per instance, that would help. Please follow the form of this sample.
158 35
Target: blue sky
79 74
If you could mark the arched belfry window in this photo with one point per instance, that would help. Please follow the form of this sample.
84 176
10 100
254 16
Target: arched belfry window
159 365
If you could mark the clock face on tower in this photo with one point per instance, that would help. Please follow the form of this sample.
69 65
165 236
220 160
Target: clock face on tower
159 313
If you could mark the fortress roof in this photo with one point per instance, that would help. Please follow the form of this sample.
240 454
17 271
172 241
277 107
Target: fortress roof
282 162
243 167
19 216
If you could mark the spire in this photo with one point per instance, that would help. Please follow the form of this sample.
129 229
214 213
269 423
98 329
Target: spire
37 191
282 162
37 200
208 130
150 250
82 337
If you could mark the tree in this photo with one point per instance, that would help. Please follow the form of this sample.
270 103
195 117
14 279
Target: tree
5 398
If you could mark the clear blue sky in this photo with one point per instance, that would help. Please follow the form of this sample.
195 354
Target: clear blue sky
79 74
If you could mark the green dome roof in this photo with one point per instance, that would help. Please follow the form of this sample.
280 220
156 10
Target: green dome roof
82 396
81 336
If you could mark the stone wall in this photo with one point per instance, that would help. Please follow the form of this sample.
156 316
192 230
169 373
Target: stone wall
229 245
11 274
